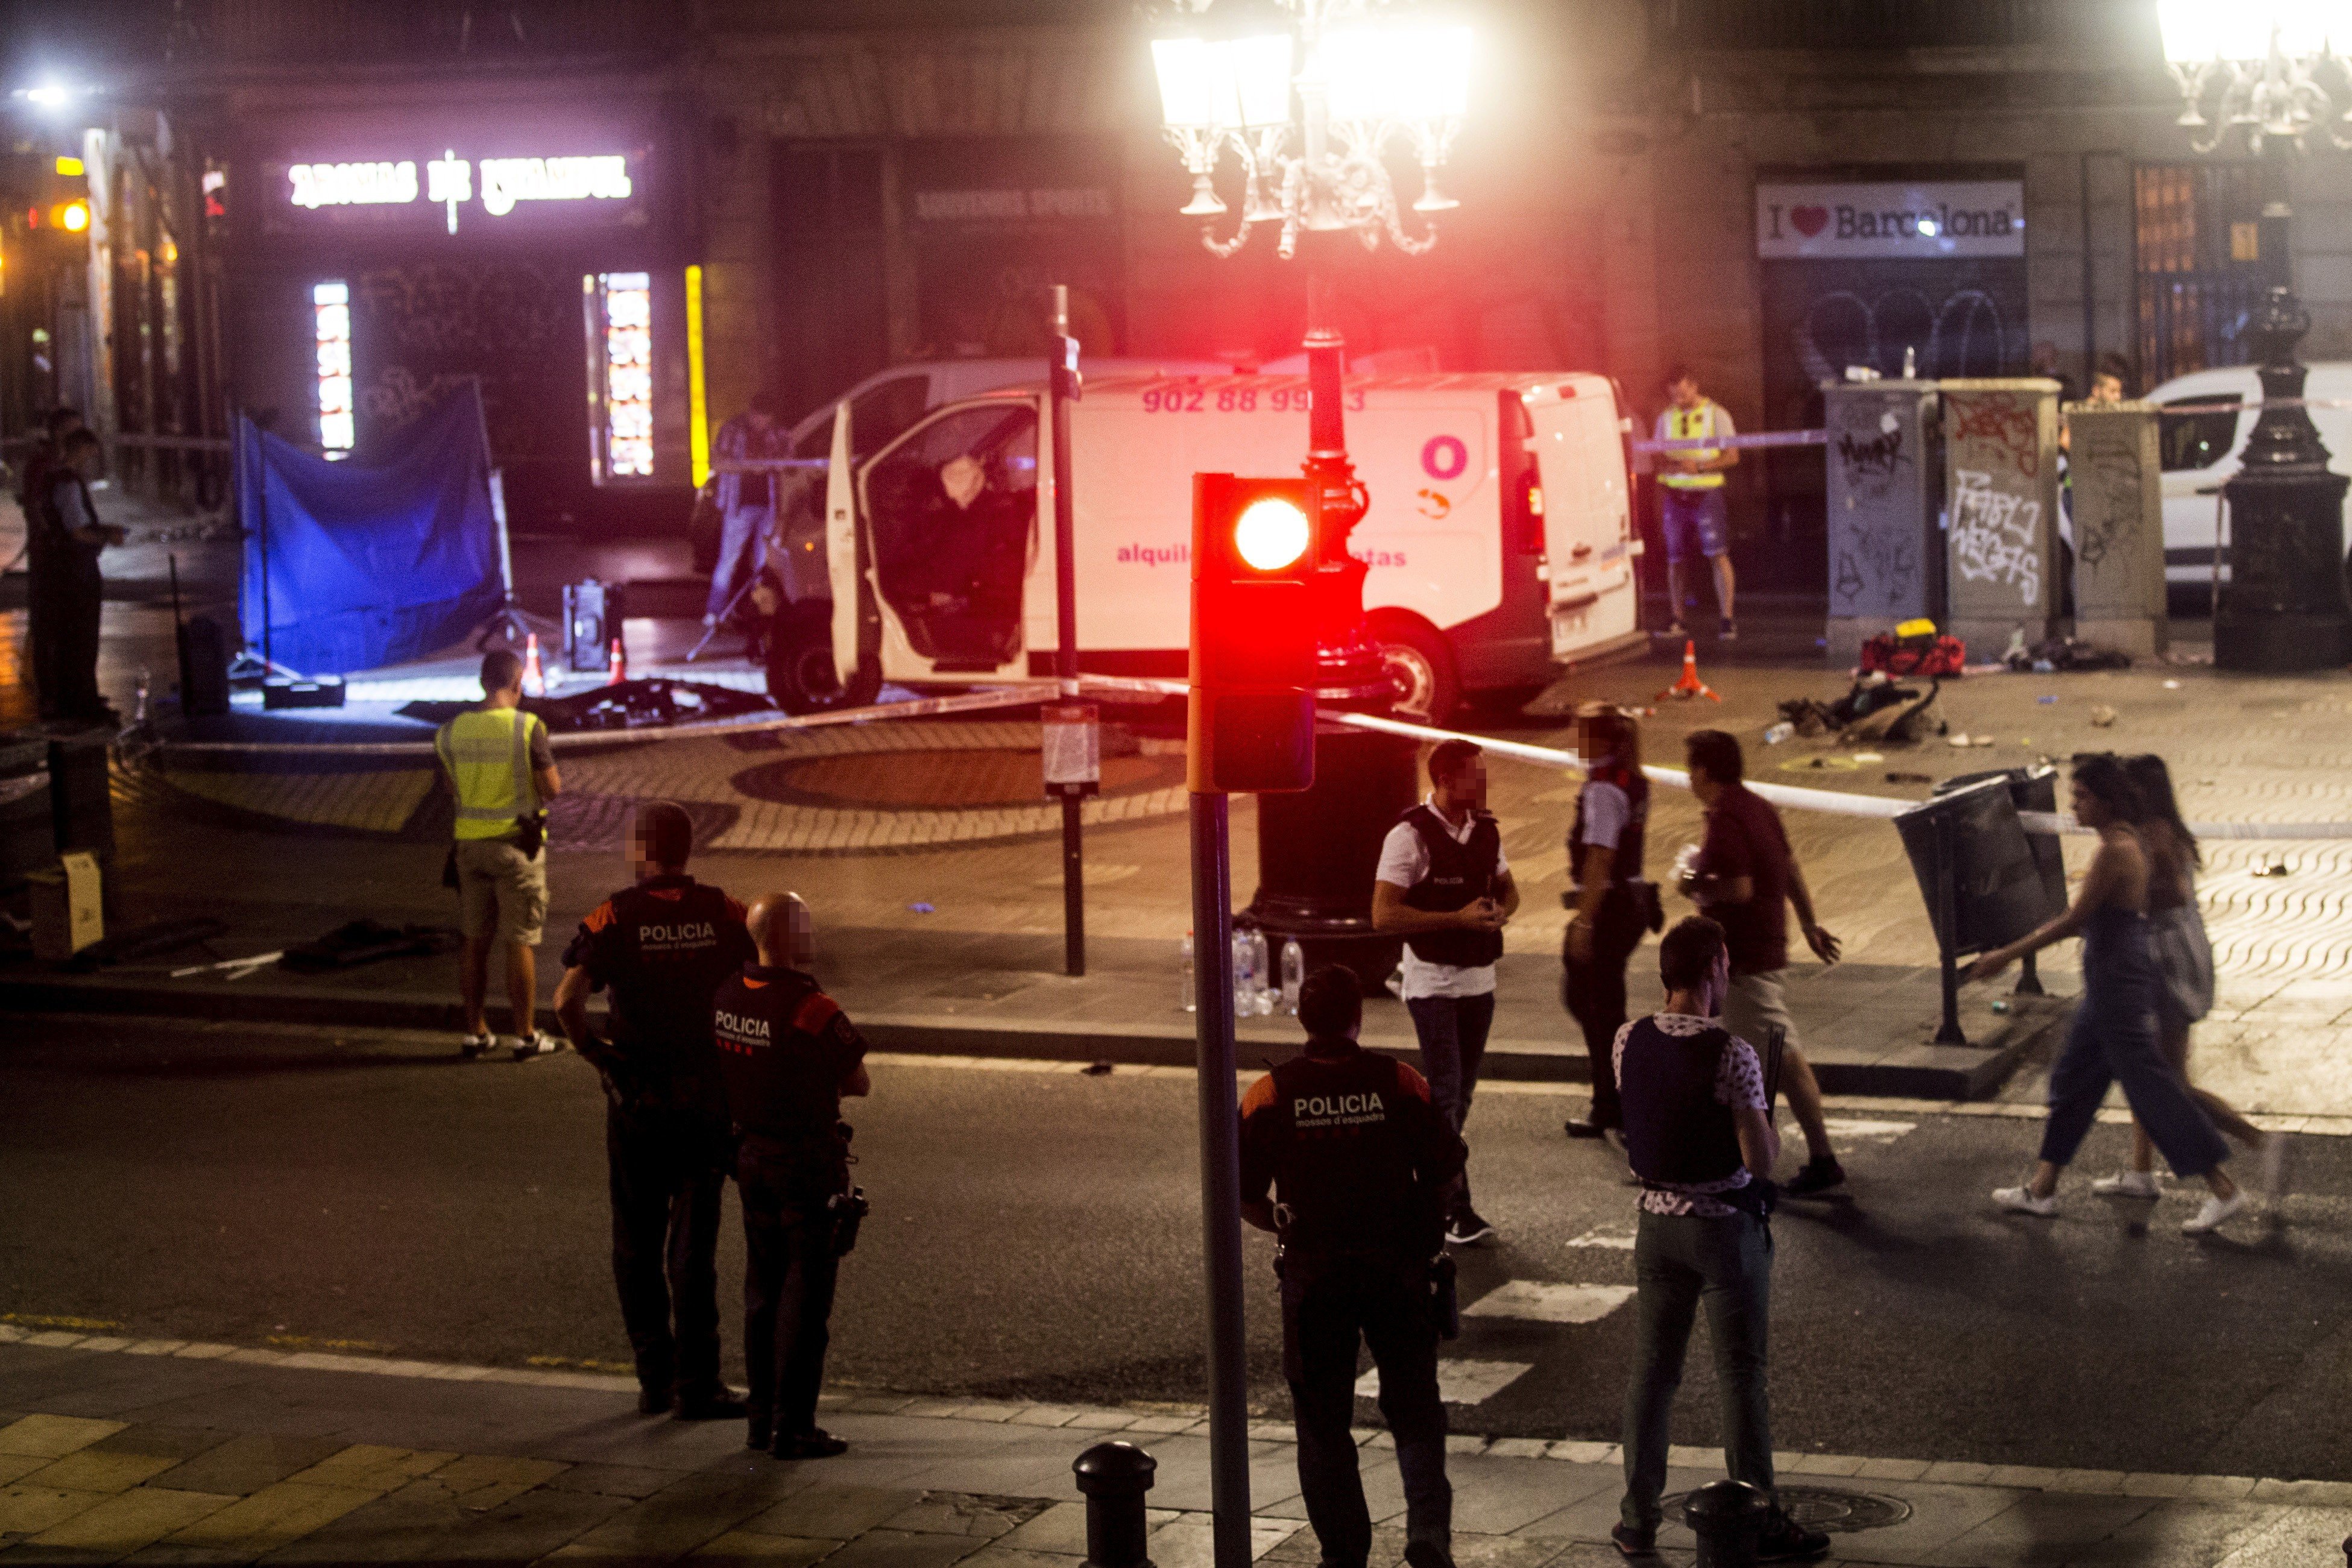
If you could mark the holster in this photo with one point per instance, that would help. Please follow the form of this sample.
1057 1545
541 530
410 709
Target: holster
531 833
449 867
849 1210
1444 1301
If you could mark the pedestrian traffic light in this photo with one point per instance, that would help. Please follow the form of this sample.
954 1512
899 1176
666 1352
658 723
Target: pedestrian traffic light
1252 708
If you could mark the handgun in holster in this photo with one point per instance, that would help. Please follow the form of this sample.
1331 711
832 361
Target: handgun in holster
1444 1302
531 833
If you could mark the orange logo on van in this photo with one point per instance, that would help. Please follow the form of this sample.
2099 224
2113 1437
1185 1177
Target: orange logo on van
1433 505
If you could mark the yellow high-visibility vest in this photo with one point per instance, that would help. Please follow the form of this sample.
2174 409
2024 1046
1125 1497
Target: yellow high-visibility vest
486 751
1692 424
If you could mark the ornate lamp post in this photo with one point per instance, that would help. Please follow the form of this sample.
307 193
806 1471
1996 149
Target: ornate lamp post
1310 115
2260 65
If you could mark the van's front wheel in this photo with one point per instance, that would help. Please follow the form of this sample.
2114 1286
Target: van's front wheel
1420 666
799 666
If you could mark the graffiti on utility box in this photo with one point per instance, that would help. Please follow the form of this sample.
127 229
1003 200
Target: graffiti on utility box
1996 536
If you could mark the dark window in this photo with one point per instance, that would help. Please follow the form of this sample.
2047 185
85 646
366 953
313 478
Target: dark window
2190 440
2197 239
880 414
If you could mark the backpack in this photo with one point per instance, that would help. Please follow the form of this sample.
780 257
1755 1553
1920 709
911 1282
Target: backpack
1929 654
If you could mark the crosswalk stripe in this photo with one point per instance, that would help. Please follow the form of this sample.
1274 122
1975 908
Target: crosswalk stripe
1614 1240
1860 1130
1543 1301
1460 1382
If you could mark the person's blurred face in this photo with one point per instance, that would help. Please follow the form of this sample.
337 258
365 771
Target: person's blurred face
1684 393
1465 790
89 462
2106 388
2089 810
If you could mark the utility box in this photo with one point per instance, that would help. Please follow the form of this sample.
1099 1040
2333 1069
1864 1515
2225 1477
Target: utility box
2000 509
2117 506
1885 487
68 910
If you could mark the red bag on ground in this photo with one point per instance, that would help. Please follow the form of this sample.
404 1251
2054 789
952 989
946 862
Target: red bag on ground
1930 655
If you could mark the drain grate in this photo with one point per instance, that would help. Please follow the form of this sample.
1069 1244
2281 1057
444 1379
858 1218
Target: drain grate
1824 1508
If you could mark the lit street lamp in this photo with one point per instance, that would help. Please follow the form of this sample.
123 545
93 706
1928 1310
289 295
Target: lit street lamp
1309 114
2260 65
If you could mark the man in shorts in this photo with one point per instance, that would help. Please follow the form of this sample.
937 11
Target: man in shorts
496 760
1690 496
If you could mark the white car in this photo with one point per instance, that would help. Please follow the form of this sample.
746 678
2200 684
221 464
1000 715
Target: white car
2200 451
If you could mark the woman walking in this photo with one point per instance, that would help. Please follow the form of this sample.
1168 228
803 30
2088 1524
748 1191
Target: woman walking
2184 992
2113 1035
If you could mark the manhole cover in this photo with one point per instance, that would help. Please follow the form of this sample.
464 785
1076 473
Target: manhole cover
1821 1508
949 779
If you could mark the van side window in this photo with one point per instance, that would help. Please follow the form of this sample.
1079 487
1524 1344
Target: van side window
880 414
2188 441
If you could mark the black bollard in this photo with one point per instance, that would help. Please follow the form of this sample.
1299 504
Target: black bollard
1113 1477
1729 1518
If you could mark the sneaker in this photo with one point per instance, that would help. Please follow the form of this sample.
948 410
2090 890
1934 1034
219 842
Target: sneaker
1575 1127
1786 1540
2020 1201
538 1043
2129 1184
2274 1169
1465 1229
2216 1211
1727 631
473 1047
1632 1542
1818 1176
1675 629
719 1404
814 1444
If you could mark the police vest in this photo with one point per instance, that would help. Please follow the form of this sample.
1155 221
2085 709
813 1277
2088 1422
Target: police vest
783 1049
663 947
1692 424
1348 1149
1459 875
1676 1131
486 751
1625 864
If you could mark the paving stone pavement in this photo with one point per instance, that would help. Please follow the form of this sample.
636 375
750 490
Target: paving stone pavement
158 1452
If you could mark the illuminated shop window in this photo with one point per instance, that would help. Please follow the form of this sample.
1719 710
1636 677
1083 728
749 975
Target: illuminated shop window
331 303
621 326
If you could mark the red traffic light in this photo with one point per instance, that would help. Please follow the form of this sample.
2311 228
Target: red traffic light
1252 711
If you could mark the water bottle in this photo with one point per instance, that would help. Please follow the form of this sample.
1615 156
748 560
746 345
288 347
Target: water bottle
1245 979
1262 994
1189 985
138 716
1294 975
1778 733
1910 362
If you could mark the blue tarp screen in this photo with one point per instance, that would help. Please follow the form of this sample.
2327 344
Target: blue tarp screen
368 566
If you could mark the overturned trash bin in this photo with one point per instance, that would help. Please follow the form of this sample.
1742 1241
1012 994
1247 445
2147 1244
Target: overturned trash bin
2030 790
1984 884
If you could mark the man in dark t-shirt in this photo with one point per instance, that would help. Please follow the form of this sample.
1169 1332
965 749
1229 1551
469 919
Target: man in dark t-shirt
1744 881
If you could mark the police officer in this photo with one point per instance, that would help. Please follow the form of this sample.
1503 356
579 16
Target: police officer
1361 1162
33 477
789 1054
663 947
1613 904
497 761
68 587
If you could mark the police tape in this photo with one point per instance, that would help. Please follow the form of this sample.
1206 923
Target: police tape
1763 439
913 708
1837 802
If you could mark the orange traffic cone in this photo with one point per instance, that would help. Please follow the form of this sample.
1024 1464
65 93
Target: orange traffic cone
534 684
620 670
1688 685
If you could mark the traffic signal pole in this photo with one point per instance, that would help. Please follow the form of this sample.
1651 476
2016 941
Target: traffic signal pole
1060 389
1221 1179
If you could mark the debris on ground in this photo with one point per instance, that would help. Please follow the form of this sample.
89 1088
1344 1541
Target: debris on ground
2276 868
1097 1069
365 941
655 702
2172 686
2064 654
919 907
1914 648
1868 757
2103 715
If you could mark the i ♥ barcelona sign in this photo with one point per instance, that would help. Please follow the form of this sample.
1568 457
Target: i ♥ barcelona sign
1924 221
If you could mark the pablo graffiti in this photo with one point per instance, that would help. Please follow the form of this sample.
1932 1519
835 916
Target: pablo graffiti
1994 534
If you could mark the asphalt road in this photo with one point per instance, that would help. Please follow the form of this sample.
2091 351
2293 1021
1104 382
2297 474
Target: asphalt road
1036 1235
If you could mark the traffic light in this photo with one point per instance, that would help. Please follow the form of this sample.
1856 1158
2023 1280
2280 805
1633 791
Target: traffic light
1252 707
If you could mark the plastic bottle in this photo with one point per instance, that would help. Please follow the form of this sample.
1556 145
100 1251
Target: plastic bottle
1244 978
1294 975
1188 985
1262 992
1778 733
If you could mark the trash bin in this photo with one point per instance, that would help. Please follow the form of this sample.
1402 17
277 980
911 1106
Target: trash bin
28 840
1981 880
2031 788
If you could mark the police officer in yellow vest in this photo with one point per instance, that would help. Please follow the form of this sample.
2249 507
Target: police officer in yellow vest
1690 495
496 760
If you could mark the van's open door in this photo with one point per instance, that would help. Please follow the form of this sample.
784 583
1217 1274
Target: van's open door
841 549
1588 536
950 515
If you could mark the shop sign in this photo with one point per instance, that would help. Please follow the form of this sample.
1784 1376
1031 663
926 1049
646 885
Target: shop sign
1016 205
1924 221
450 182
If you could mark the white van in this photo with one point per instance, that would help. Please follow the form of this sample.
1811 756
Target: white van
2200 451
1499 541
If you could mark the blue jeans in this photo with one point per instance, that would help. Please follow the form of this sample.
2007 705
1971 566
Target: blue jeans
742 534
1453 1031
2105 1045
1695 522
1683 1262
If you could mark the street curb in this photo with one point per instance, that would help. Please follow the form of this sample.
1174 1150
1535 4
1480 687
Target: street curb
1960 1074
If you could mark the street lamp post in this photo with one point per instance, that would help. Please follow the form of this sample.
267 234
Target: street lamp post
2259 67
1361 89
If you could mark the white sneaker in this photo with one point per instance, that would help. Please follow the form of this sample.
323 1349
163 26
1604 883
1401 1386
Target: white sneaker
2129 1184
2216 1211
538 1043
2023 1201
472 1047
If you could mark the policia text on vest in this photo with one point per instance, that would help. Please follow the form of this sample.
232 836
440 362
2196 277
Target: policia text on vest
497 764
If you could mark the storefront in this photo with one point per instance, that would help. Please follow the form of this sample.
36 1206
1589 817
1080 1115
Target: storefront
381 256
